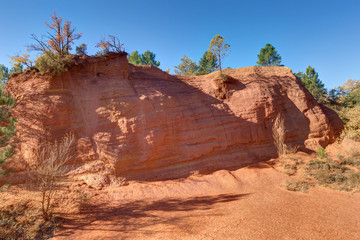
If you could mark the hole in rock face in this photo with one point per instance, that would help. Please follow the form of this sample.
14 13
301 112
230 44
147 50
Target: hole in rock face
98 74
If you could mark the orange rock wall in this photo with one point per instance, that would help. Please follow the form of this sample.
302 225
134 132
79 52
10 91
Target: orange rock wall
141 123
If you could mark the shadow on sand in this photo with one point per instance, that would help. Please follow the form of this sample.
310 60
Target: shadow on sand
135 217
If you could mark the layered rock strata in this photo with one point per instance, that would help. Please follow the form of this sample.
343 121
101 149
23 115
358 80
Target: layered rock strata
142 123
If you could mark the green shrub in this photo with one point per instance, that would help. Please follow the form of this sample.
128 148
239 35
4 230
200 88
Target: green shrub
321 153
54 64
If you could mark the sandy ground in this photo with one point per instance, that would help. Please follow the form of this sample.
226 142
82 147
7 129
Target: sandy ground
250 203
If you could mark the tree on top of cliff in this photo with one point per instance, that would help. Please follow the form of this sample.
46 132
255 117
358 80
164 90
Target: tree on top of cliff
81 49
60 38
219 48
312 82
208 63
5 73
147 58
112 44
187 67
268 56
135 58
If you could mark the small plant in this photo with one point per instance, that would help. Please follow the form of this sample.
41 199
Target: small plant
296 186
224 78
110 45
82 200
321 153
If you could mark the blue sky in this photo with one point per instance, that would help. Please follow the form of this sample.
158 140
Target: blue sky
323 34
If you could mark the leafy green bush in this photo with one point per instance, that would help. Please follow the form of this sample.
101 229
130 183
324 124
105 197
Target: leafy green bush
54 64
321 153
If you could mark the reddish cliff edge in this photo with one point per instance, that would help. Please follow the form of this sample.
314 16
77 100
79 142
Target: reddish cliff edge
140 123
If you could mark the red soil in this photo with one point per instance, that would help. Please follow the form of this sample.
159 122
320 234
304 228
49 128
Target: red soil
249 203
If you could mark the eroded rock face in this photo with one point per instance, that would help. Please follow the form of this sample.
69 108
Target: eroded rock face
141 123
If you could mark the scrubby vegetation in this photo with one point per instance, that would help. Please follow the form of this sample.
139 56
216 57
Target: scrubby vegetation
54 64
22 221
7 128
341 174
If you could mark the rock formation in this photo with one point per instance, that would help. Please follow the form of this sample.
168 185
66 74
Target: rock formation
141 123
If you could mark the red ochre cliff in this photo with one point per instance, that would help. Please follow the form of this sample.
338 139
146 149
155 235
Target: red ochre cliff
141 123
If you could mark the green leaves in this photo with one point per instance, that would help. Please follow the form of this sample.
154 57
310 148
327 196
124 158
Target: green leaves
219 48
81 49
187 67
312 82
208 63
135 58
147 58
7 128
268 56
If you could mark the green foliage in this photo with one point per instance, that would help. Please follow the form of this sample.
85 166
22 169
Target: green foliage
207 64
5 73
81 49
351 118
54 64
7 128
312 82
135 58
353 98
147 58
321 153
219 48
187 67
268 56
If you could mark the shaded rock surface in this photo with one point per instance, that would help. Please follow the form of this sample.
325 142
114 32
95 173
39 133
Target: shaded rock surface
141 123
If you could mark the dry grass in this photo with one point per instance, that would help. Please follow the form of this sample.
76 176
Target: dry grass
297 186
343 174
22 221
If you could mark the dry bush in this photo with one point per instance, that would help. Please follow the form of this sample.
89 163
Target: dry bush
296 186
50 169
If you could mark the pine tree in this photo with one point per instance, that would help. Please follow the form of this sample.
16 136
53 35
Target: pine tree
312 82
7 128
148 58
134 58
219 48
268 56
208 63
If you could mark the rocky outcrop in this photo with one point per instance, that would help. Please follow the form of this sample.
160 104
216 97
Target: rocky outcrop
139 122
